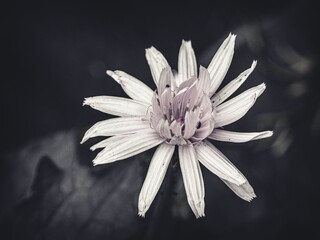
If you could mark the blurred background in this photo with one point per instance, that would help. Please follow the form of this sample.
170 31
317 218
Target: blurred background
55 54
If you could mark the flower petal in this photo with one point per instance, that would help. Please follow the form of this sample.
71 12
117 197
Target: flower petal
192 178
176 128
135 89
157 63
235 108
244 191
187 63
191 120
220 63
156 173
231 87
117 106
218 164
204 80
165 80
116 126
108 142
128 147
163 129
238 137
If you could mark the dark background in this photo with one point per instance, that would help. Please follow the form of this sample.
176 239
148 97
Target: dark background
55 54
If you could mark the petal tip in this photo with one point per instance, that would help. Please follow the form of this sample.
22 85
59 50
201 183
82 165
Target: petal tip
83 140
95 162
254 64
141 214
269 133
86 101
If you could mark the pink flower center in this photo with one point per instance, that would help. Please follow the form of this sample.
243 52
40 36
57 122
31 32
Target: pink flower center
182 114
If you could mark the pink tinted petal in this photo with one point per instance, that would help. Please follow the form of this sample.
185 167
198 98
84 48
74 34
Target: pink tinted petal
165 101
191 121
163 129
205 129
156 110
204 80
191 96
186 83
176 128
176 103
165 80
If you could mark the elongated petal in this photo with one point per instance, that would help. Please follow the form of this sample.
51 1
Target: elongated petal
165 80
235 108
218 164
117 106
244 191
176 128
135 89
238 137
157 63
128 147
191 121
163 129
192 178
108 142
156 172
220 63
231 87
116 126
187 63
204 80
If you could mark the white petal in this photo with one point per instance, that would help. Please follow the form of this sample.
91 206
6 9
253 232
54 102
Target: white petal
156 173
108 142
192 178
116 126
238 137
117 106
235 108
220 63
157 63
187 63
128 147
231 87
135 89
244 191
218 164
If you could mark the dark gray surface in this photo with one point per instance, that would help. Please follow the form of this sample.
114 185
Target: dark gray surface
57 54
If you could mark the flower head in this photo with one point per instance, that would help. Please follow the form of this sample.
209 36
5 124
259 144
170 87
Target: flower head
185 110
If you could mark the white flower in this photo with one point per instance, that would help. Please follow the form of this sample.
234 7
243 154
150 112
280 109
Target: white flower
185 110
